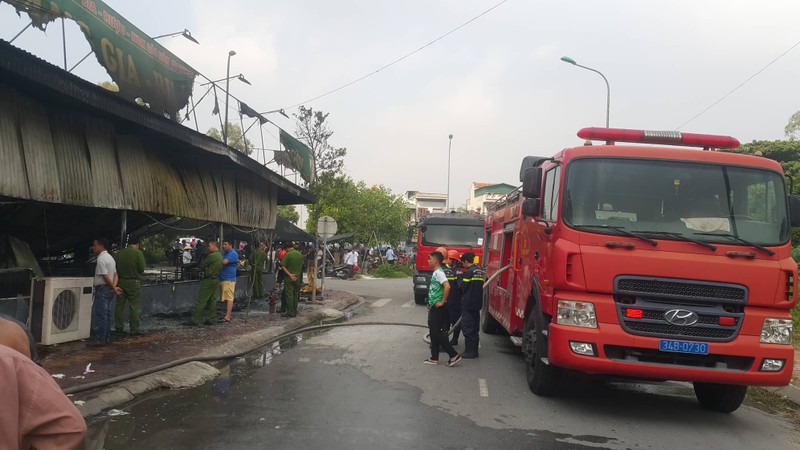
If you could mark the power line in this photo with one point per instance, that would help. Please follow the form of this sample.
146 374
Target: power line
739 86
401 58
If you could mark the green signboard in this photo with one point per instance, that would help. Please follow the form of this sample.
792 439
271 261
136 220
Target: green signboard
301 158
139 65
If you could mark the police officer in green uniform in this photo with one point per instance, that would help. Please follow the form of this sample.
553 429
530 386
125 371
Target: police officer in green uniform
292 266
130 266
209 287
257 261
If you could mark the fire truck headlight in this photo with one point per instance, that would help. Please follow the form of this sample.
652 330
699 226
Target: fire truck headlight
776 331
576 314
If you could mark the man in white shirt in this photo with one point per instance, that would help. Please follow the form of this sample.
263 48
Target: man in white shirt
351 260
105 289
390 256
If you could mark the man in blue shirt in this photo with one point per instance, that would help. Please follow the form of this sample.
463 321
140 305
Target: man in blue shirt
390 256
227 277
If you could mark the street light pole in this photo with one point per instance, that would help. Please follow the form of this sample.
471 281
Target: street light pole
227 96
449 147
569 60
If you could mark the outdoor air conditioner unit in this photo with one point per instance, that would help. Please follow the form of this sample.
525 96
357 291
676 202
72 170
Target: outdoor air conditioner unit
61 309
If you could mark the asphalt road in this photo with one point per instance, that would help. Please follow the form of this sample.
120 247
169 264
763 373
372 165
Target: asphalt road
366 387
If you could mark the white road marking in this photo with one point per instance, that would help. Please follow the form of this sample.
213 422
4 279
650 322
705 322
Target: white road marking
380 302
408 304
483 387
304 359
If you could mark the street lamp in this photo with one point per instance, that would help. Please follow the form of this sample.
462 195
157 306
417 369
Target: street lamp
185 33
279 111
569 60
239 77
227 96
449 147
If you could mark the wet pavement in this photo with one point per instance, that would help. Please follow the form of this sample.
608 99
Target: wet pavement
365 387
166 339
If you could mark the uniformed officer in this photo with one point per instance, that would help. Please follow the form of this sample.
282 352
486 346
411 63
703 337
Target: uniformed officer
257 261
130 266
209 287
471 303
455 277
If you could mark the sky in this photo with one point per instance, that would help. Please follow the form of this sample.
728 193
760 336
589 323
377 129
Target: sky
497 84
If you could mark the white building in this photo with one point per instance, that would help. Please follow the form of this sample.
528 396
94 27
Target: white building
423 203
481 195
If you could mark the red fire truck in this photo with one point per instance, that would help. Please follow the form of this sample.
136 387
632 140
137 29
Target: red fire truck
647 262
453 231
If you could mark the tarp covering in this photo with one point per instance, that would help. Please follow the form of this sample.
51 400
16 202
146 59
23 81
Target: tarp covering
139 65
300 158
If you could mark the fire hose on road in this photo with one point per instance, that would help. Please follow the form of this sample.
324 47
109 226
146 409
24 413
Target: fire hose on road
486 284
211 358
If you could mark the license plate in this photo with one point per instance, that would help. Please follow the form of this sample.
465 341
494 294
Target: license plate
695 348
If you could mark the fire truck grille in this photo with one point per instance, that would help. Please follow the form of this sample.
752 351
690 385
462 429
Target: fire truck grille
665 329
680 309
684 289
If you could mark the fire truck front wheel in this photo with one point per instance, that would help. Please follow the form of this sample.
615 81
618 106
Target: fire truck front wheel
724 398
542 377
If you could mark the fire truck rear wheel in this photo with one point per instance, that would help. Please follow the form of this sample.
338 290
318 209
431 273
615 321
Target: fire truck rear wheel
724 398
489 324
542 378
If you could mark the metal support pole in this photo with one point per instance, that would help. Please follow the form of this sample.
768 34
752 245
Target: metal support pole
449 147
314 275
221 233
64 41
324 259
194 113
20 33
227 96
123 233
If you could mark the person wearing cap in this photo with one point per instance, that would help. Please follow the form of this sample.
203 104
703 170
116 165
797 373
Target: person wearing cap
471 304
454 277
130 266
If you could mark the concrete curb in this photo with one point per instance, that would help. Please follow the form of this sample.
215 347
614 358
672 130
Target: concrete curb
195 373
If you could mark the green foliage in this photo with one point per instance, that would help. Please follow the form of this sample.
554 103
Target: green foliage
792 129
235 138
289 212
387 271
313 130
358 209
156 248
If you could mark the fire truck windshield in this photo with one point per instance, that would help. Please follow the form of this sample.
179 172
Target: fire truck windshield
678 199
452 236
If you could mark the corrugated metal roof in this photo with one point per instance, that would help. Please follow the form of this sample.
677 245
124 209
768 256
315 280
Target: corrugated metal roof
49 88
76 159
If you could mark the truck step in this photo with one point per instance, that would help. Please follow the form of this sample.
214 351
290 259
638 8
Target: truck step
516 340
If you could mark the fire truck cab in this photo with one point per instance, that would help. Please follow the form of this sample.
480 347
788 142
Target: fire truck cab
649 262
454 231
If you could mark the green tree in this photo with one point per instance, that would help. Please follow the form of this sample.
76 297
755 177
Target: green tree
235 138
787 153
358 209
312 129
289 212
156 248
792 128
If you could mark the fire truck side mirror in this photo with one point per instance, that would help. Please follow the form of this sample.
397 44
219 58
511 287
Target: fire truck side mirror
532 183
531 207
794 210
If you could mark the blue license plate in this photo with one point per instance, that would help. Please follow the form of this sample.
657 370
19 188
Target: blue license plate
695 348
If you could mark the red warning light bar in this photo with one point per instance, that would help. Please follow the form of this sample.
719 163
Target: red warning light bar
658 137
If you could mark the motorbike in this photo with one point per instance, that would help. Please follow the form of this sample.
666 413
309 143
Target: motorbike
335 270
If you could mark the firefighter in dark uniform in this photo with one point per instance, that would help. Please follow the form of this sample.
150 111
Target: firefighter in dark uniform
471 303
455 276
